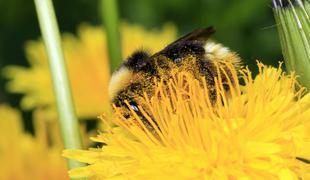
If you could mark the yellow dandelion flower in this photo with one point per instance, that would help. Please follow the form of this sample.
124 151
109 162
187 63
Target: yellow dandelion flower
88 69
24 156
255 131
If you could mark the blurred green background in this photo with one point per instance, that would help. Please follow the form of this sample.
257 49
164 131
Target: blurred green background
247 27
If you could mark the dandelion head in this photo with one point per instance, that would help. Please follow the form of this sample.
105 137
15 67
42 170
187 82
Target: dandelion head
255 130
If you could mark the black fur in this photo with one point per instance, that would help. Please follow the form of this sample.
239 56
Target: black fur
182 49
137 61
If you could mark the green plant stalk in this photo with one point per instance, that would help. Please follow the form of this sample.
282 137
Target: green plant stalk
109 15
68 121
294 31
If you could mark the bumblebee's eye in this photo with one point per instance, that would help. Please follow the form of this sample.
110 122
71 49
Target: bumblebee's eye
134 107
177 60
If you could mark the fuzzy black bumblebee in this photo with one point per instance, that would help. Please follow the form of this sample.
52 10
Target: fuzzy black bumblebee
193 52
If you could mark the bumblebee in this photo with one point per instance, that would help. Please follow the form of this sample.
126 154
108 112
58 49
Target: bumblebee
193 52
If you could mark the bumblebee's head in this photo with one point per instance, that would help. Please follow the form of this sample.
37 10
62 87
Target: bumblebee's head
125 74
129 80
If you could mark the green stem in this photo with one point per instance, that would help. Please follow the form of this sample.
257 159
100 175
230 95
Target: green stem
110 17
68 121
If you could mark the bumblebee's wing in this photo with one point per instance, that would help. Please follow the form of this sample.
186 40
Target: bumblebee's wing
191 43
201 34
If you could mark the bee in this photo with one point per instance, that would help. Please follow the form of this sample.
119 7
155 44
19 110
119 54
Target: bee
194 52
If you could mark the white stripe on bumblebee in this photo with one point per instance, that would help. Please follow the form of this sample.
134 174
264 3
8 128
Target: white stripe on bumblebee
119 80
216 50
